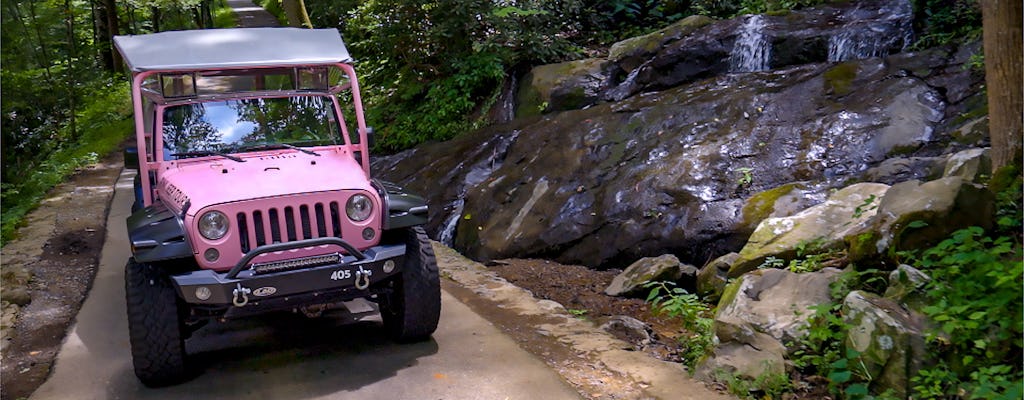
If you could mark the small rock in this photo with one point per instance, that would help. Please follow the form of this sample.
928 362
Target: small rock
629 329
969 164
712 278
906 285
648 269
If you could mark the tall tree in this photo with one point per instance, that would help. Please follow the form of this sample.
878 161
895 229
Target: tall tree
1003 58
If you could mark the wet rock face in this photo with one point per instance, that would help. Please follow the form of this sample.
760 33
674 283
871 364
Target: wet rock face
666 172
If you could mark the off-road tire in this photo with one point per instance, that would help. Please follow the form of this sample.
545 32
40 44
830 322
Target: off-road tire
155 326
413 307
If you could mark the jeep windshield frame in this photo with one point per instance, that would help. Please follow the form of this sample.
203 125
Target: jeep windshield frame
314 62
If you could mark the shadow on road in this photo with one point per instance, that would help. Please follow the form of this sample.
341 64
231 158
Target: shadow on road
284 356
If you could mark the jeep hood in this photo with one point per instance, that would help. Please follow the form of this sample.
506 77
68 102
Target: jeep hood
205 183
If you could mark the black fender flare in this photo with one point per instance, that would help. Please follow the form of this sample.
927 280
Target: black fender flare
401 208
157 233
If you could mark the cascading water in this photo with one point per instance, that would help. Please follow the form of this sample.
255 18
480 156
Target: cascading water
478 173
506 102
753 49
857 40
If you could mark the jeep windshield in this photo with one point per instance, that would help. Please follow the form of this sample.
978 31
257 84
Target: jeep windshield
239 125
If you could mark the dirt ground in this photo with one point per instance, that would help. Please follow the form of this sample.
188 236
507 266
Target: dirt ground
581 290
48 270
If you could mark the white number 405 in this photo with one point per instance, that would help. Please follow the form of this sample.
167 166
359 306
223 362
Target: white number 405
341 274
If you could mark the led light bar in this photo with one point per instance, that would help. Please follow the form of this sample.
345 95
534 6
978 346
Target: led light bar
298 263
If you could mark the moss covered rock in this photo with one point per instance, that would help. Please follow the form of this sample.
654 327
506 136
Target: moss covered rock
826 225
888 338
914 215
564 86
712 278
631 53
907 286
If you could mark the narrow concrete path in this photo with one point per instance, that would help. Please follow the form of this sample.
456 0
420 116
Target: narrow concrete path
289 356
250 15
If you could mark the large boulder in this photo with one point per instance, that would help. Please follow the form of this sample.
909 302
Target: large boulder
889 340
649 269
899 169
633 52
825 225
758 314
914 215
564 86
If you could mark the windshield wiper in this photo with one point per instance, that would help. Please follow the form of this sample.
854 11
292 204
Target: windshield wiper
204 153
280 146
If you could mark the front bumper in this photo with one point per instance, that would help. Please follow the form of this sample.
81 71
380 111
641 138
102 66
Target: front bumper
245 287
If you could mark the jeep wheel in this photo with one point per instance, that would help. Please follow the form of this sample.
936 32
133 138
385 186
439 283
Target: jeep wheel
412 309
155 326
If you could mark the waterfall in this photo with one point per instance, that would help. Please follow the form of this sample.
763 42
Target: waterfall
753 50
478 174
857 40
507 100
447 234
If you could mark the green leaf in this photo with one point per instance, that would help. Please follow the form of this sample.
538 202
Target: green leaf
917 224
977 315
838 377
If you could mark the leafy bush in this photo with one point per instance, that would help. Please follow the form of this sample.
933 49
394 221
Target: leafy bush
676 302
976 303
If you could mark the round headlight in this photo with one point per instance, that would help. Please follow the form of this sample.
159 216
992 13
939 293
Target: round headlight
359 207
213 225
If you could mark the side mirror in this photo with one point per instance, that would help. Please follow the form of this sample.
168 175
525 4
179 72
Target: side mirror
131 158
370 140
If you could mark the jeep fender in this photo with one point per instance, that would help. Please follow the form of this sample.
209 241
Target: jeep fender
156 234
403 209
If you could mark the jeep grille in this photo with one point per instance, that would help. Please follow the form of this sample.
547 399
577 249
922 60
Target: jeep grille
288 224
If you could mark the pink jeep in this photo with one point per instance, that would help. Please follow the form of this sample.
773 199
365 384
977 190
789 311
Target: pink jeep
254 192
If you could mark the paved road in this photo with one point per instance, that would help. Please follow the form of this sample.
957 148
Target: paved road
292 357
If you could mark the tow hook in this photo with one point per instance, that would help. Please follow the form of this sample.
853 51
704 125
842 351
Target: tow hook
240 291
365 275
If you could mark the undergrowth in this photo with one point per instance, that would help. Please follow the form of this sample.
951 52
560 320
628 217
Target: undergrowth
103 123
696 317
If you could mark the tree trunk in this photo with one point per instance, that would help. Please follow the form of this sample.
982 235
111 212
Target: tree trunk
69 70
293 12
1003 57
113 29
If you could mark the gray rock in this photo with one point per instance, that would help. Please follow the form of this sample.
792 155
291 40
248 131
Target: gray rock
888 338
907 286
914 215
825 224
661 172
899 169
631 53
630 282
629 329
16 295
757 314
969 164
712 278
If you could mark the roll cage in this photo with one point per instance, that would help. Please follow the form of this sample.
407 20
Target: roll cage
242 63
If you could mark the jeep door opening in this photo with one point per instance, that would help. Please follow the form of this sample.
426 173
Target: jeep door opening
254 192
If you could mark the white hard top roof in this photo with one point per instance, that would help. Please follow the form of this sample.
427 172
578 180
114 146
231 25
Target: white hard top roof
231 48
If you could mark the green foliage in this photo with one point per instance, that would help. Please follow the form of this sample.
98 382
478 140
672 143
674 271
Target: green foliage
104 122
774 6
976 305
766 386
811 256
676 302
746 176
867 205
432 68
940 22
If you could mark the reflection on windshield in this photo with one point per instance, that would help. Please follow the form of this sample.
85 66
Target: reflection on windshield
233 125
